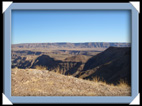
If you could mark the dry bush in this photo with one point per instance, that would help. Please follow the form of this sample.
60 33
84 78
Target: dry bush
123 83
98 79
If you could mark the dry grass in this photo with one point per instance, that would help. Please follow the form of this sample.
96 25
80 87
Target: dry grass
122 83
96 79
33 82
39 67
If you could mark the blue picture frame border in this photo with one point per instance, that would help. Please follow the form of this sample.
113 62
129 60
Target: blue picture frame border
71 99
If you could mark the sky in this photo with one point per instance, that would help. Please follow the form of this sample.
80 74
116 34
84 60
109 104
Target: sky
74 26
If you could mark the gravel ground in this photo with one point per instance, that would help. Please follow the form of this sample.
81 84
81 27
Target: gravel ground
33 82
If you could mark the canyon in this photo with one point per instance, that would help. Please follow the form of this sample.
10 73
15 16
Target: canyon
110 62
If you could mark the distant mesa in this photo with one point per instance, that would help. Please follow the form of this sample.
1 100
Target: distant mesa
70 45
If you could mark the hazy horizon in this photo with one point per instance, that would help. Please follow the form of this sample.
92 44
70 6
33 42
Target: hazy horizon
73 42
70 26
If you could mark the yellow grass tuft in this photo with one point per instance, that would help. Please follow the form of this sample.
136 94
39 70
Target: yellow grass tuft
40 67
123 83
96 79
99 80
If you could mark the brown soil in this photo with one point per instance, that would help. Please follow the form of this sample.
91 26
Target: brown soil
34 82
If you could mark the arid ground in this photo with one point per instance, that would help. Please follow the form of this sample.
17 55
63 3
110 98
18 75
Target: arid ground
33 82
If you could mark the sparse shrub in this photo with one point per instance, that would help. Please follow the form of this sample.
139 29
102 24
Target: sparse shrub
100 80
40 67
123 83
97 79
